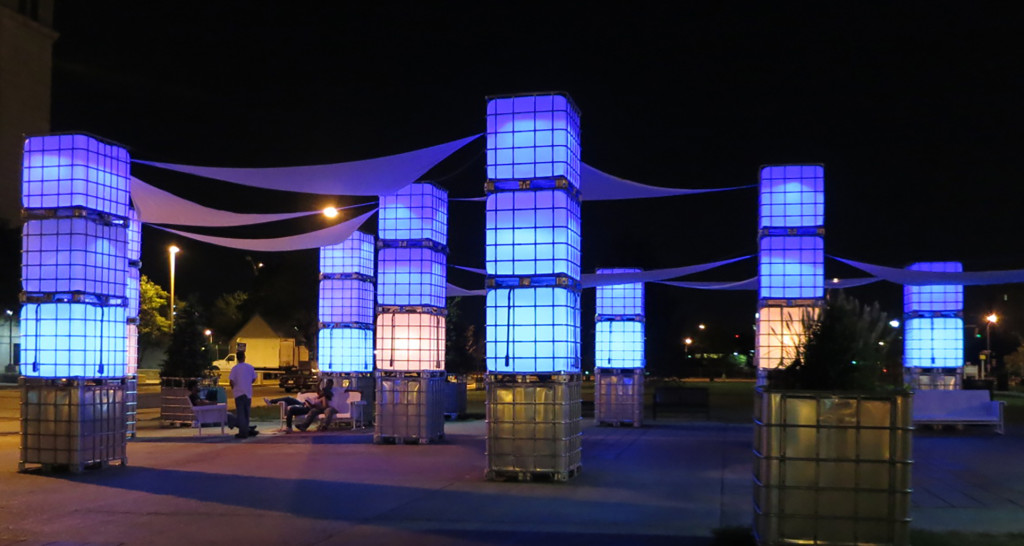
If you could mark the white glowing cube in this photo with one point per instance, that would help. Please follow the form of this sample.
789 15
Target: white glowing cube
74 254
60 171
134 248
533 330
132 361
73 340
345 350
780 333
536 136
533 233
410 341
132 291
619 344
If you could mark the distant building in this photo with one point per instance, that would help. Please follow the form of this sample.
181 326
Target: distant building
270 346
26 66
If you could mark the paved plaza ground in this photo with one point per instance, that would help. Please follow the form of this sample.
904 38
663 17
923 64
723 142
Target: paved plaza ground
670 482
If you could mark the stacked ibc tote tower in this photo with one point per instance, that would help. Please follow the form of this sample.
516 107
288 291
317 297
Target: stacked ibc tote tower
791 260
75 198
619 352
533 287
933 331
412 260
346 312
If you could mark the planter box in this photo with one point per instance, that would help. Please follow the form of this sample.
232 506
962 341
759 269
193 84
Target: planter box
831 468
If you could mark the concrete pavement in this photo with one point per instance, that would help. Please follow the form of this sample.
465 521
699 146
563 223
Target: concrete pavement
671 482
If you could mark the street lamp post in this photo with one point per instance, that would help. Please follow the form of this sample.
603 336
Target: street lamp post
686 346
989 321
173 251
10 336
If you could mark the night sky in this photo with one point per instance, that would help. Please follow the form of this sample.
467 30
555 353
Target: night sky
914 110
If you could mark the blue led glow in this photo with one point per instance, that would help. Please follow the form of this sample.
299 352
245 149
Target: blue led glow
933 342
346 300
792 267
353 255
946 297
132 292
792 196
620 299
533 233
533 137
417 211
74 254
73 340
75 171
411 276
619 344
410 341
345 350
533 330
134 244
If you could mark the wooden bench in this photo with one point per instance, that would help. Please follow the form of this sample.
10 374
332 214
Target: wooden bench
957 407
687 398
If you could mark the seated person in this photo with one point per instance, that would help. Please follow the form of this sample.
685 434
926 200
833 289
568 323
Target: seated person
293 408
196 400
323 402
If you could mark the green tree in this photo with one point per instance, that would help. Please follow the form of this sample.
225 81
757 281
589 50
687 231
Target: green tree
187 355
229 313
154 326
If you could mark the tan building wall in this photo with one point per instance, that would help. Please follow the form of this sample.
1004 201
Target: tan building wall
26 65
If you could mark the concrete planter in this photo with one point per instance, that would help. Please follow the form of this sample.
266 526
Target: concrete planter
831 468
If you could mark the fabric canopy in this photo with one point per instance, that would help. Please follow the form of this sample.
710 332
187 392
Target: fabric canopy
378 176
455 291
751 284
606 279
599 186
314 239
156 206
931 278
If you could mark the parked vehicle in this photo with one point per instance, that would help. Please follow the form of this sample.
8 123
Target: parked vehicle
301 379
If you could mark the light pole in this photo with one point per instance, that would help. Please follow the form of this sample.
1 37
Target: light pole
10 336
991 319
686 346
173 252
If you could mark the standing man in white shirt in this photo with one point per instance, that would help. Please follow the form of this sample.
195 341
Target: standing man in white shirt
242 378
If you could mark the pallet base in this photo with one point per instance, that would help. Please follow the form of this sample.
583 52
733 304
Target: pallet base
530 476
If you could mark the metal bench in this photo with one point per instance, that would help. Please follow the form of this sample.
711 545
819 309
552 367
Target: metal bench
957 407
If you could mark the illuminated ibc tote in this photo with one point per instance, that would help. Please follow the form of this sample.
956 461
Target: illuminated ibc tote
412 260
346 309
619 352
791 257
532 257
77 242
933 329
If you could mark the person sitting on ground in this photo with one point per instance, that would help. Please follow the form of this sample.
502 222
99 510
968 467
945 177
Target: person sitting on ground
196 400
323 402
293 408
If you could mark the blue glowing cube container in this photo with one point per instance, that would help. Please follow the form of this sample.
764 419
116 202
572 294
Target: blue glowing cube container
792 267
345 350
412 276
533 136
132 292
346 301
134 244
933 342
74 254
353 255
417 211
533 233
62 171
619 344
533 330
620 300
73 340
934 298
792 196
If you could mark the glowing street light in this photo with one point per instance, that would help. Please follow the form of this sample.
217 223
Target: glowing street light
330 212
701 326
686 346
173 252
